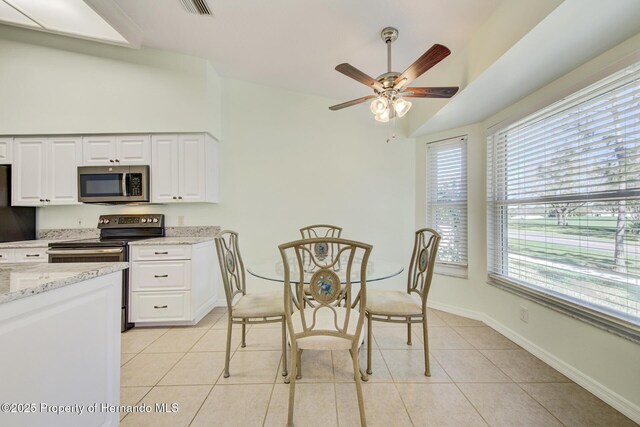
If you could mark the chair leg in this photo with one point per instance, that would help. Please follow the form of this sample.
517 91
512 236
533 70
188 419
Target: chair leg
363 375
284 347
425 338
299 357
244 333
356 370
409 331
369 324
228 353
292 385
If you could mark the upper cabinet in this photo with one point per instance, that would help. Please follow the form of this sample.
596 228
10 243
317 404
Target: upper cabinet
122 150
184 168
45 171
6 151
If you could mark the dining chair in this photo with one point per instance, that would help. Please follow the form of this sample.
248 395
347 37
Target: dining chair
242 308
324 324
410 306
321 249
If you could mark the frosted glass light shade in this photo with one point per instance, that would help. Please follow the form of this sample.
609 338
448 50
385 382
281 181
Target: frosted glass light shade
401 106
379 105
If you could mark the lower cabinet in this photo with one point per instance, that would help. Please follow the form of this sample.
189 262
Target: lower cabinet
172 284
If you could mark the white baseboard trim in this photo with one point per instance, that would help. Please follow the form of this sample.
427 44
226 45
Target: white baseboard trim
220 303
609 396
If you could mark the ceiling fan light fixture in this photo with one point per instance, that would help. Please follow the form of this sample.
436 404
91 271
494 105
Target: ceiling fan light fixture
401 106
379 105
384 116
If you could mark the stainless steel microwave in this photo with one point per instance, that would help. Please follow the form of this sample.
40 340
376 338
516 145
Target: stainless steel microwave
113 184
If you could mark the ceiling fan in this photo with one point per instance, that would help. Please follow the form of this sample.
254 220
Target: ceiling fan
391 88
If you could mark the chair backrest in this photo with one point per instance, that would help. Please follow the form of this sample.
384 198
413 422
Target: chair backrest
327 287
321 250
231 265
423 260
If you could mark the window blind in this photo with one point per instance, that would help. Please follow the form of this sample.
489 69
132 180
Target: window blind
447 198
564 199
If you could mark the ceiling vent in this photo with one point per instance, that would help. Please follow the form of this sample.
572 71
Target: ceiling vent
197 7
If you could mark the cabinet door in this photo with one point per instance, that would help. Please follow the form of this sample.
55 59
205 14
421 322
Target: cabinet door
29 171
133 150
65 154
191 155
6 152
164 169
98 150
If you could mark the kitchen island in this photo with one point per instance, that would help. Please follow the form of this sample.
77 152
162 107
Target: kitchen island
60 335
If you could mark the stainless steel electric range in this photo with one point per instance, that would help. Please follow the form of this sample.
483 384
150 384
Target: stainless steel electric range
116 231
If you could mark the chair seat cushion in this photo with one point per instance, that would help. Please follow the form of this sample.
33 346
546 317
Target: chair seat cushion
260 305
325 321
393 303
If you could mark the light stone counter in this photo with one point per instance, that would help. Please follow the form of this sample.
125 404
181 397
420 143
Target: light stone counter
29 244
23 280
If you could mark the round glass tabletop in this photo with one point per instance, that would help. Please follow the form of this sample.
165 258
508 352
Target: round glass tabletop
376 270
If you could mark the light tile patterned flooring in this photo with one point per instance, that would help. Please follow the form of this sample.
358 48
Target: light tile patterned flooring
478 377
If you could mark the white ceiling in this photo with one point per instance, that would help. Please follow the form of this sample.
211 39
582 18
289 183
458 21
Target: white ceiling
296 44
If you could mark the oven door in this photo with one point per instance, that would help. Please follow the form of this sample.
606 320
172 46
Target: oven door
113 184
87 255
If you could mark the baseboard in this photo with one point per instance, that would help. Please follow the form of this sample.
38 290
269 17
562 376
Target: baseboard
607 395
220 303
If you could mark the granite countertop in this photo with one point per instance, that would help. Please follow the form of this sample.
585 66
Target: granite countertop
27 279
193 240
29 244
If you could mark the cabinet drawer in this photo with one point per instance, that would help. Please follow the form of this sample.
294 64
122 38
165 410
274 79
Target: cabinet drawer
161 275
6 255
160 252
31 255
149 306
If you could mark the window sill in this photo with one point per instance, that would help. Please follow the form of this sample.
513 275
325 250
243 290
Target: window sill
600 320
458 271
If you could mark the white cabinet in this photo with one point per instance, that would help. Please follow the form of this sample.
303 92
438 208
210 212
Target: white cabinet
6 255
124 150
45 171
6 151
184 168
172 284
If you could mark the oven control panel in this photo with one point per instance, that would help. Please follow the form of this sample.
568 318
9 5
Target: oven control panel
131 221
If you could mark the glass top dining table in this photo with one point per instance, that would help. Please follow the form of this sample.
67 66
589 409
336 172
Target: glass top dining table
376 270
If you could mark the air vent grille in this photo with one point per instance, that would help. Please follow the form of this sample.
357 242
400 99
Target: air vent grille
197 7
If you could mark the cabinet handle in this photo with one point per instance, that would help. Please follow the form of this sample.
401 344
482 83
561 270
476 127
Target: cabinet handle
42 200
162 253
117 161
32 255
47 200
174 197
161 275
180 197
111 161
160 306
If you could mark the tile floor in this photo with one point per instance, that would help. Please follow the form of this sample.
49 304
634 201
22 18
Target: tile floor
478 377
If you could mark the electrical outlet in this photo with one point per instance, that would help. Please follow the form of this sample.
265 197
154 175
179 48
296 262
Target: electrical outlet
524 314
181 220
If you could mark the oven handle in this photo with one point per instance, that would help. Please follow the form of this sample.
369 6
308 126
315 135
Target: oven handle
84 251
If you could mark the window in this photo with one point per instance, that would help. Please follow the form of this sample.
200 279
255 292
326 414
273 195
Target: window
564 204
447 199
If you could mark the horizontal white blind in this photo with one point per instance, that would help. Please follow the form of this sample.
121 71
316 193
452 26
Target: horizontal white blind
564 198
447 197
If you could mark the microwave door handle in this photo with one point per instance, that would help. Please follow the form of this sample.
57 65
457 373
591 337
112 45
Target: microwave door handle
124 184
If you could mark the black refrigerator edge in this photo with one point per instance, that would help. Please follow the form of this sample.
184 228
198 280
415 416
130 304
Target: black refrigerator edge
16 223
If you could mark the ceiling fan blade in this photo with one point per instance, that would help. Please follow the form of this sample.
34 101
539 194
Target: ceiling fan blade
351 71
350 103
430 92
428 59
